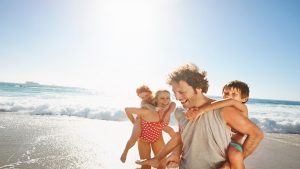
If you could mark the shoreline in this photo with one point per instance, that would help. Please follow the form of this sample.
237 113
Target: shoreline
37 142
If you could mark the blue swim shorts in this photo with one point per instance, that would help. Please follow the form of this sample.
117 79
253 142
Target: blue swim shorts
236 146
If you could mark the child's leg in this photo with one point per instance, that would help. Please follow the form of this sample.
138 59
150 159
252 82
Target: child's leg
156 148
135 134
159 159
235 156
169 130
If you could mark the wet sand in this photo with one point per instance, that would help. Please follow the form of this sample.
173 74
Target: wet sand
276 151
42 142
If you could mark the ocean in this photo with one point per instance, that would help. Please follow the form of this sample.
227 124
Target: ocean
272 116
47 127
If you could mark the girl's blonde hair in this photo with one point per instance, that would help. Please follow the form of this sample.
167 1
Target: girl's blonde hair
157 93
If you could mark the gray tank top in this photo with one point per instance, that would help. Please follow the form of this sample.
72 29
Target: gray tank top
204 141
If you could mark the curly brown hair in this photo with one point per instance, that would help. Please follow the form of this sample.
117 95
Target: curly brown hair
191 74
142 89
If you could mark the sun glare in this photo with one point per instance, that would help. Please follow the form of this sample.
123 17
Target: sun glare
128 35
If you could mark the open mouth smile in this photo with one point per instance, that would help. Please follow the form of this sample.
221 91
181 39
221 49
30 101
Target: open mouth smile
183 102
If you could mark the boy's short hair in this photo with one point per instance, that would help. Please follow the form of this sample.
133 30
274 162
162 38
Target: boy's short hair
242 86
142 89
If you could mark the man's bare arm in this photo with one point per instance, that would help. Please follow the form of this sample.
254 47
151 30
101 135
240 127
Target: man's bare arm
172 146
243 125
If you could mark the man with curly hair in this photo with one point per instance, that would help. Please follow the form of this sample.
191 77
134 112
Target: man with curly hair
202 143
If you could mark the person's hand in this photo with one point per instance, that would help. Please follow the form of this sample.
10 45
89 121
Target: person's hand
154 162
226 165
173 161
193 113
190 113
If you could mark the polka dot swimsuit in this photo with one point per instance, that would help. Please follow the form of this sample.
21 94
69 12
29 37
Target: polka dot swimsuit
151 131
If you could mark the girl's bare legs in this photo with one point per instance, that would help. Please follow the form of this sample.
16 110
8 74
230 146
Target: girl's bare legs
158 159
144 151
135 134
157 147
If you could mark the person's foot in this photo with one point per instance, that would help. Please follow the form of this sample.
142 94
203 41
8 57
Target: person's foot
154 162
123 157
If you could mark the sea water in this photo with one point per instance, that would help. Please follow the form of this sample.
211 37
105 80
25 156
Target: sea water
272 116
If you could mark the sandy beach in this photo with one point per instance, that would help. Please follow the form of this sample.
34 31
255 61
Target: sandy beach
39 142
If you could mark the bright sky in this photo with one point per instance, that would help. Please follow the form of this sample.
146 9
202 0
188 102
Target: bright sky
116 45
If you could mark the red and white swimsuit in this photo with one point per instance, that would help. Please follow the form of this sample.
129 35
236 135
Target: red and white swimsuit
151 131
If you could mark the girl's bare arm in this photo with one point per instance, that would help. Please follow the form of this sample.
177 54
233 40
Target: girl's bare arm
168 111
132 110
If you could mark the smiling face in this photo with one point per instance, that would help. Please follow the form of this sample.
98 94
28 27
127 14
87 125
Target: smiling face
236 90
146 96
162 99
233 93
184 93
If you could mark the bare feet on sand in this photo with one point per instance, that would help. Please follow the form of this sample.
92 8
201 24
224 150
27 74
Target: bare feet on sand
154 162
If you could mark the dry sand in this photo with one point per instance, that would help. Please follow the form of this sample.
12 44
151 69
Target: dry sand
42 142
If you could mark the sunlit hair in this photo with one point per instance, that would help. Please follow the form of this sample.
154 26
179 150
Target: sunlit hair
191 74
240 86
142 89
158 93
